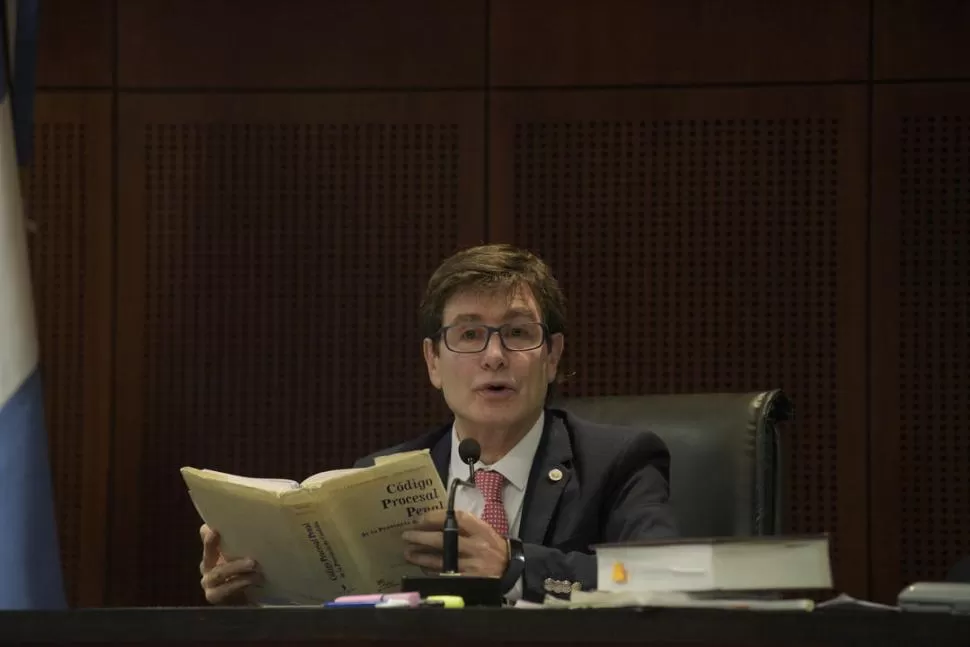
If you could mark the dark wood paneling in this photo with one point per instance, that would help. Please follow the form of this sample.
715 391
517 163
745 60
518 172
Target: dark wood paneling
920 332
272 255
916 39
74 43
709 240
67 197
301 43
605 42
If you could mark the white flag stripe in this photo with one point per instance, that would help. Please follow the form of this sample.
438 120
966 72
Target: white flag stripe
18 337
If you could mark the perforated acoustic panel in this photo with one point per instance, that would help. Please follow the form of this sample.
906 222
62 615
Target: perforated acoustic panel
922 491
707 243
275 254
66 199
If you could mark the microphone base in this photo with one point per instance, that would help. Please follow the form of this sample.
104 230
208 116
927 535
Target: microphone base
475 591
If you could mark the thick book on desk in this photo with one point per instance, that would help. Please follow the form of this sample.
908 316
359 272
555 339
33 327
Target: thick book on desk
336 533
716 564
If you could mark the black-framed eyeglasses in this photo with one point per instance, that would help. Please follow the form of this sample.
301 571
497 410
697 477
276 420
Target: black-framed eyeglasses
474 338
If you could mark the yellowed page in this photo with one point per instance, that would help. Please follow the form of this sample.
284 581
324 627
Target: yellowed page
337 535
299 552
268 484
376 505
316 479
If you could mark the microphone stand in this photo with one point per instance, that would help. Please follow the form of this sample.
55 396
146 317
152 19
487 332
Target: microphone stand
475 591
449 553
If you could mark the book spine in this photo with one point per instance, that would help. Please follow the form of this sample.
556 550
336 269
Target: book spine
326 546
326 555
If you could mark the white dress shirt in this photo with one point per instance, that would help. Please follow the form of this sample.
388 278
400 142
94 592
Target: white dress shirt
515 467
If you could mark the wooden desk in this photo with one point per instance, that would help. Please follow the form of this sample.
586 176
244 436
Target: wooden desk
471 627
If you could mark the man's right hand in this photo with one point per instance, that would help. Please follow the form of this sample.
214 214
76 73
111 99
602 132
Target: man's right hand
223 580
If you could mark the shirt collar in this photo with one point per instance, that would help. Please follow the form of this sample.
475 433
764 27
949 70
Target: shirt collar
514 466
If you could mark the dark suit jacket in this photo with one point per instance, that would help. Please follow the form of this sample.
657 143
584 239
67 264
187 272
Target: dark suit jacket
615 487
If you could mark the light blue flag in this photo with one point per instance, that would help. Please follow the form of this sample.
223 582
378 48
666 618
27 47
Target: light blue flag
30 564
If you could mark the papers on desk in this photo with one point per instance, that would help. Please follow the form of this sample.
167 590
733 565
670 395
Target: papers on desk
671 599
843 601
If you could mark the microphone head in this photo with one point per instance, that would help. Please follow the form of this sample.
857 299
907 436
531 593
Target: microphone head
469 451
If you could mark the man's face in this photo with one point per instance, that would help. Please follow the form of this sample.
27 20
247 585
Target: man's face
496 387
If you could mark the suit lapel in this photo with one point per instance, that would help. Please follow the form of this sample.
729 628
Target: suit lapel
551 472
441 455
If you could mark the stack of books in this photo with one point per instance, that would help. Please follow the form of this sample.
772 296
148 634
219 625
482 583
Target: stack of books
728 572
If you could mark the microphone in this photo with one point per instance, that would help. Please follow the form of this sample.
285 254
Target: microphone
469 451
475 590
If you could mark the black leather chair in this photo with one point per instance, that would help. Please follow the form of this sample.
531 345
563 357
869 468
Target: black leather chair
727 476
960 572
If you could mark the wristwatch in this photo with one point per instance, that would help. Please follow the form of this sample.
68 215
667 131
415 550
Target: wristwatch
515 566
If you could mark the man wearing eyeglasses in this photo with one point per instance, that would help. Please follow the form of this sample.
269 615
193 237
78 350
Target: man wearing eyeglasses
548 485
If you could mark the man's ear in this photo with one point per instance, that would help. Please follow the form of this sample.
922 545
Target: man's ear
555 354
431 359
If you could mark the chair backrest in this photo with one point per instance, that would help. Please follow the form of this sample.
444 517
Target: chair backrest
960 572
726 474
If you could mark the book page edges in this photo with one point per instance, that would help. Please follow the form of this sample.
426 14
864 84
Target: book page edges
289 534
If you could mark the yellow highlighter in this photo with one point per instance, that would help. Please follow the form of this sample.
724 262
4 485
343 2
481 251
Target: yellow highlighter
446 601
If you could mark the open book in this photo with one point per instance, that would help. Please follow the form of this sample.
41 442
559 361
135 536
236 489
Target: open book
336 533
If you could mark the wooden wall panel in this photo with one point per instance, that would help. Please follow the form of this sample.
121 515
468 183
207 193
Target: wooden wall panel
272 255
697 251
301 43
921 327
708 240
613 42
915 39
75 43
67 197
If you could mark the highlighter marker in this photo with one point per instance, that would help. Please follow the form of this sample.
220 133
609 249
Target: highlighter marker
447 601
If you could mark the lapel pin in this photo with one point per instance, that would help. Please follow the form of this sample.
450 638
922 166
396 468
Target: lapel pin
555 475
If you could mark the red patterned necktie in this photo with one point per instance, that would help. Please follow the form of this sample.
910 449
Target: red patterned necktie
491 483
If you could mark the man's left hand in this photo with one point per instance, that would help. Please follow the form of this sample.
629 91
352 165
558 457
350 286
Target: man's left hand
481 550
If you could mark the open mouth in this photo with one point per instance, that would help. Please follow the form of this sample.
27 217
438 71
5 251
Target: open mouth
496 389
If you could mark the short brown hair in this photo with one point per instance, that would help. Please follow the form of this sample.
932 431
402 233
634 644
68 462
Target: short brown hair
492 267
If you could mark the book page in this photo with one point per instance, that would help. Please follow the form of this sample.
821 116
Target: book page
297 559
317 479
268 484
375 505
339 535
399 456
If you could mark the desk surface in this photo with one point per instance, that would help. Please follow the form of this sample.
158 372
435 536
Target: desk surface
468 627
